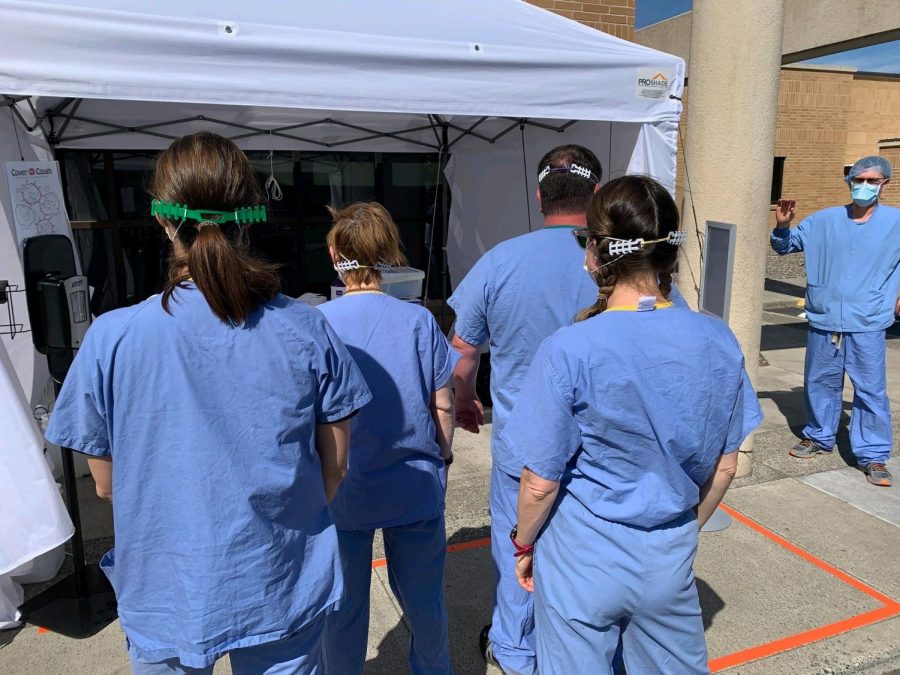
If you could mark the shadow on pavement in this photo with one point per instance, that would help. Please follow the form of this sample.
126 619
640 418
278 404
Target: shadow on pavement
783 287
783 336
7 636
710 602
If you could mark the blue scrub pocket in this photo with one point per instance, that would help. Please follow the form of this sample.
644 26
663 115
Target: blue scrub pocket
108 565
815 300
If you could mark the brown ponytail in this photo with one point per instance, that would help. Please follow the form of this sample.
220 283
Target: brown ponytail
207 171
605 277
665 279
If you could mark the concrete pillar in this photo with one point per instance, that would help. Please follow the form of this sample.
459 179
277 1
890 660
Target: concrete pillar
731 111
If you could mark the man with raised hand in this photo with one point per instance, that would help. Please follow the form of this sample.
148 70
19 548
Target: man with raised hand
852 274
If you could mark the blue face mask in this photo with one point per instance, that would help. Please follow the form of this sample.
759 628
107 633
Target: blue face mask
864 194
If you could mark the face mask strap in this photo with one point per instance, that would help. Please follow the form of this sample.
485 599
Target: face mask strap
243 215
578 170
619 248
346 265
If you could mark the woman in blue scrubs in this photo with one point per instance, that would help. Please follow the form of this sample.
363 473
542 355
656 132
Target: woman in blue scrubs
628 425
216 417
400 451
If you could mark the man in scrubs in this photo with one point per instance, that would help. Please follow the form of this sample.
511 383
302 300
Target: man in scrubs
517 294
852 277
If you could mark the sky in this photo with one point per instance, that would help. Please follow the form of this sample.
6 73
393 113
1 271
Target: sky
883 58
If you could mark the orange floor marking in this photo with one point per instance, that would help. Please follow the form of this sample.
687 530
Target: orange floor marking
41 629
464 546
890 608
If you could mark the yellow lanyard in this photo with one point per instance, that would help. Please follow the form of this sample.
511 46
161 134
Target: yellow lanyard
634 308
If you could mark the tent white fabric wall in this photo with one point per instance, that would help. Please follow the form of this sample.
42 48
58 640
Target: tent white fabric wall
29 367
494 186
34 519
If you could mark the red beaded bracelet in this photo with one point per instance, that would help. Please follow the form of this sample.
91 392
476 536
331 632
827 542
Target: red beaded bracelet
520 550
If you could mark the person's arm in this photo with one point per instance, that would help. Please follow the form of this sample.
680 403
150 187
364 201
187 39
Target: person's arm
101 470
469 411
332 443
536 498
442 413
785 240
715 487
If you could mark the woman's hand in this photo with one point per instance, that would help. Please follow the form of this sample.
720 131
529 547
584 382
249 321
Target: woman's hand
525 571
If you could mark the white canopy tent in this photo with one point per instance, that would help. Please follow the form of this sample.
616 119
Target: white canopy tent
489 86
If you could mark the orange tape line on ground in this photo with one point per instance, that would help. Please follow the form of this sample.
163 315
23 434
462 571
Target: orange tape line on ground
464 546
890 609
800 639
810 558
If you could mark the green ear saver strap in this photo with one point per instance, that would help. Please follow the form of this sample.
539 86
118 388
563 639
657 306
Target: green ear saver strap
244 215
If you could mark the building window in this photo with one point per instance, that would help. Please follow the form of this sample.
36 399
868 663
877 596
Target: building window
777 178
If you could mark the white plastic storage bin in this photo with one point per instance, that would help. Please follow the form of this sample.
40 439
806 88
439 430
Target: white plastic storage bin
403 282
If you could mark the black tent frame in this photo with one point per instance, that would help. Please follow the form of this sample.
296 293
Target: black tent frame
54 124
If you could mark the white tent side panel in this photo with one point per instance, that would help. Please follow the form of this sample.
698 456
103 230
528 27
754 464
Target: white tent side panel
29 366
494 185
34 517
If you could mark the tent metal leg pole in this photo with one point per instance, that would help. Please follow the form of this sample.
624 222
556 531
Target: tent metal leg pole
445 226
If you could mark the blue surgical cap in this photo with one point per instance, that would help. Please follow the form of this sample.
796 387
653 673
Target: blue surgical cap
870 162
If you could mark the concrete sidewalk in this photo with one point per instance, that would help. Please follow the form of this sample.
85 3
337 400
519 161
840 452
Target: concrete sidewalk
805 580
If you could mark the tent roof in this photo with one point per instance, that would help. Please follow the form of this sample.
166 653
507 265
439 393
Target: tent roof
443 57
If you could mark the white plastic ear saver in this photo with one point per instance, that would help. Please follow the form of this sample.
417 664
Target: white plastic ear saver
620 247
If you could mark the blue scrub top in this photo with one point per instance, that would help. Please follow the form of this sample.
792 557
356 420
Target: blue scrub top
631 411
223 536
517 294
396 473
851 268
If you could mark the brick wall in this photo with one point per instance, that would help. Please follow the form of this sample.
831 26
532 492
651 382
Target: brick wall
811 134
826 120
892 191
615 17
874 115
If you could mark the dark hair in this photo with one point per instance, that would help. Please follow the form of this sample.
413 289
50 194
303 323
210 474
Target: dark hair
206 171
564 192
631 207
365 232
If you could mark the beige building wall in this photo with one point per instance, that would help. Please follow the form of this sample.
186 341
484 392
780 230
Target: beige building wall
874 114
827 119
891 152
813 109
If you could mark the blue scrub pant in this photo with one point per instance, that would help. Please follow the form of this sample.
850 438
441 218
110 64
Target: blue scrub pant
862 357
415 565
512 625
598 582
298 654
